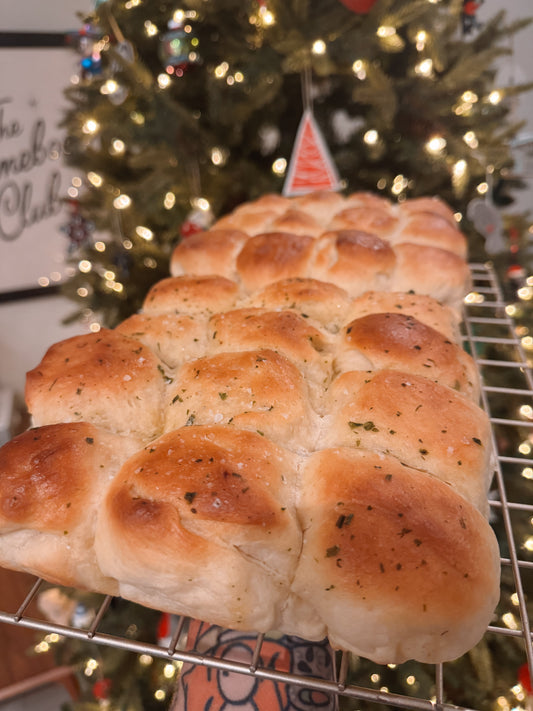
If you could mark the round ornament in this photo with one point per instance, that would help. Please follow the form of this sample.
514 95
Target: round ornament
176 48
524 679
102 689
196 221
361 7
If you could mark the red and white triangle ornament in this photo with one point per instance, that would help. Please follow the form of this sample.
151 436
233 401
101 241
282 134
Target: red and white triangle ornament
311 166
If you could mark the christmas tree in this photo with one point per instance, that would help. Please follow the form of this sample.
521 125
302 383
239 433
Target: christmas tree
181 112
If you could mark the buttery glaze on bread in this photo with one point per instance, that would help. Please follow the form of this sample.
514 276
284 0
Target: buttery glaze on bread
287 436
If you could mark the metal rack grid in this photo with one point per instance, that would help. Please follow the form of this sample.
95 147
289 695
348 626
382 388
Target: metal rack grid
487 325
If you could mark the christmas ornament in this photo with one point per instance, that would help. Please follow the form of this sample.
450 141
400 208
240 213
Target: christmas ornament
311 166
77 229
524 679
359 6
488 222
102 689
197 221
82 615
176 48
469 19
56 606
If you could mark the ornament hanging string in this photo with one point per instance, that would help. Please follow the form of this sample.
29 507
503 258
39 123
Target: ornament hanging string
307 88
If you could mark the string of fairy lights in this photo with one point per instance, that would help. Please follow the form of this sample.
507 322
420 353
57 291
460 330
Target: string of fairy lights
436 146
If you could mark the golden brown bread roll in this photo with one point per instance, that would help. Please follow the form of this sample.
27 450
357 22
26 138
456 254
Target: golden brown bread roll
447 280
269 257
397 564
401 342
422 307
203 520
257 390
105 378
320 205
411 206
432 230
283 331
205 294
376 221
192 257
307 452
174 338
354 260
319 300
421 423
52 483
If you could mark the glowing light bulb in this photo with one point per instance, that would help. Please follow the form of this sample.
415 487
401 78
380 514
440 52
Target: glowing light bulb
469 97
85 266
109 87
385 31
150 28
319 47
169 671
371 137
495 97
118 146
202 204
266 17
144 232
358 69
163 81
436 145
470 139
424 68
421 39
221 70
527 472
169 201
122 202
95 179
279 166
459 169
90 126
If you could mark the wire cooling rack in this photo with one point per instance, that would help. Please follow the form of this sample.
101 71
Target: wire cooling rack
490 335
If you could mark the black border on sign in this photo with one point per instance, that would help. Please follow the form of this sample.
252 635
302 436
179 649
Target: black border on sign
36 39
12 40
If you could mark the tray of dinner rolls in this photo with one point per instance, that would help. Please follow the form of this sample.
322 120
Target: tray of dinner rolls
287 437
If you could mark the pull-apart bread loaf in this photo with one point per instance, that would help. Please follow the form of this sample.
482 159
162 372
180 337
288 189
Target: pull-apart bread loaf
286 437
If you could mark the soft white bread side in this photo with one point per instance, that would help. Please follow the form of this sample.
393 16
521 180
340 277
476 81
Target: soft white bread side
398 565
52 482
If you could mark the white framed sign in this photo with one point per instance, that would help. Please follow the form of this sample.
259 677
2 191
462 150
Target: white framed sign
33 178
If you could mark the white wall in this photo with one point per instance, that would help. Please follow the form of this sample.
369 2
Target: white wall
27 328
